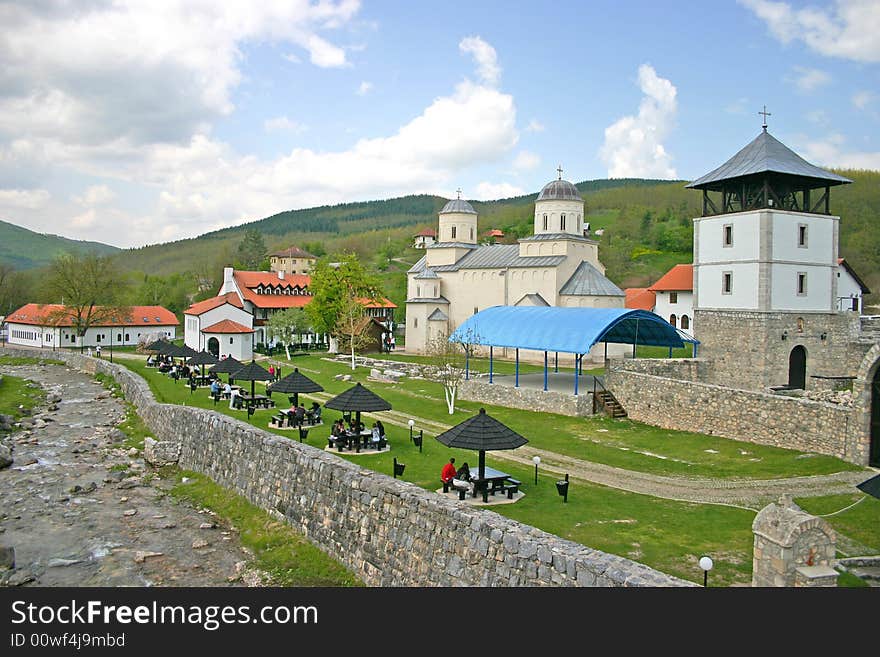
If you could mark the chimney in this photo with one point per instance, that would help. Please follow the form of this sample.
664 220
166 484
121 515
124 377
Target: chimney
281 274
228 283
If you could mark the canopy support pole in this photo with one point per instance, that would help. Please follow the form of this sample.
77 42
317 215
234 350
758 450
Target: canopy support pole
516 370
545 371
467 363
556 362
670 352
636 338
577 362
490 363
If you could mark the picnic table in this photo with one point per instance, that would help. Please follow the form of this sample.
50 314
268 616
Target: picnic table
350 439
493 481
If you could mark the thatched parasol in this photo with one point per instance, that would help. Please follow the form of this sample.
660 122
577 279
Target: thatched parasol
482 433
294 383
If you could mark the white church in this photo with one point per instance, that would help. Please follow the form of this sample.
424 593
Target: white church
556 266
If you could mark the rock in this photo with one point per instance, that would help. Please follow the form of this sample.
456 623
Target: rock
20 577
133 451
142 555
129 483
91 487
61 563
129 512
207 525
168 525
123 500
7 556
159 453
199 543
5 457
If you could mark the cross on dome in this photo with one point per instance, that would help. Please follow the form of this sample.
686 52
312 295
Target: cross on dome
766 114
559 171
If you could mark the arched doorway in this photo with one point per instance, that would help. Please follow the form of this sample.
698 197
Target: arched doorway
797 368
214 347
874 455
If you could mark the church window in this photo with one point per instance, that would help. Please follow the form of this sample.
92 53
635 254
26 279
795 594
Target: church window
728 234
472 232
672 319
673 297
562 221
453 232
545 222
418 290
415 322
685 322
802 283
727 282
802 235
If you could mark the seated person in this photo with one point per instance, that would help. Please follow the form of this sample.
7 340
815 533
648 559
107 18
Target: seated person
299 415
234 399
448 472
150 360
227 391
316 412
381 427
462 478
338 429
215 388
375 434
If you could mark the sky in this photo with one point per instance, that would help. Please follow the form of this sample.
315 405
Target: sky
134 122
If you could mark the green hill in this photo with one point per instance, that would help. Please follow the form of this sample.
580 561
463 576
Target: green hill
25 249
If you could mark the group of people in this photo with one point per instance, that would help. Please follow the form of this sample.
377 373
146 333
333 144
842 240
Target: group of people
457 478
302 416
274 373
354 430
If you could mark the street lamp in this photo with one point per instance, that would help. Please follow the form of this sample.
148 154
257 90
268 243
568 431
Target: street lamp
536 460
411 423
706 564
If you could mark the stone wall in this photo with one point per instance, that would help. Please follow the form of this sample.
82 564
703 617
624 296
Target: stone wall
528 399
388 531
756 417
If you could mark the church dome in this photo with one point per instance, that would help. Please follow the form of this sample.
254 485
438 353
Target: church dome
559 190
458 205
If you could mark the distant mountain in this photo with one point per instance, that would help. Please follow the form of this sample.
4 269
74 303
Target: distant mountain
25 249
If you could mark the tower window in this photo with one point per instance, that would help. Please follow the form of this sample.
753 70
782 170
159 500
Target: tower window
727 282
802 284
453 232
728 234
472 232
562 221
673 298
802 235
545 222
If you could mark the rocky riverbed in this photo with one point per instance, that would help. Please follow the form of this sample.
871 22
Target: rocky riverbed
80 508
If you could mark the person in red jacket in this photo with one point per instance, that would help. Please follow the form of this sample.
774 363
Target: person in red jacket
448 472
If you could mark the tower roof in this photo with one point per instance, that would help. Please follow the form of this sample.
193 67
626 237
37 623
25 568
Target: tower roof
559 190
458 205
766 154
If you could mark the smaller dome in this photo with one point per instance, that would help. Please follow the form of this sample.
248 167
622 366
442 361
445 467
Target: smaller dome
458 205
560 190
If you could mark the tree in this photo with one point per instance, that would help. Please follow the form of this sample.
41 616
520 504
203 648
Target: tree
286 324
251 250
352 323
448 360
332 285
89 287
13 289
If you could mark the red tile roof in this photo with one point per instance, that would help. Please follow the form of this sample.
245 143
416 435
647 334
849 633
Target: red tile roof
373 303
227 326
248 281
679 278
293 252
54 314
640 298
427 232
494 233
202 307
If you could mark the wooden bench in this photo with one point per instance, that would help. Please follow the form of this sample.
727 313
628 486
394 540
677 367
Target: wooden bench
510 487
462 492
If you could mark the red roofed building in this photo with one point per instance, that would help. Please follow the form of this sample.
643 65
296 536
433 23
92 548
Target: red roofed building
425 238
640 298
53 325
675 297
292 260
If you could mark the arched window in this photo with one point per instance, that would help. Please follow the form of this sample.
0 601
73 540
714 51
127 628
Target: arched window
472 232
562 221
545 222
685 322
453 232
418 290
672 319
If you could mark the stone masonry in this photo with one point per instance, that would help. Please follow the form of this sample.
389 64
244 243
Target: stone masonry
388 531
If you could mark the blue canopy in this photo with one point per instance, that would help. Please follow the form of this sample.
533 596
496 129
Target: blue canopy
567 330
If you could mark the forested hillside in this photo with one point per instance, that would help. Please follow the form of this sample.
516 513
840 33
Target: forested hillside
24 249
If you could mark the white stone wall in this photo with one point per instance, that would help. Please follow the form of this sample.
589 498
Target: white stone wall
847 291
193 337
574 217
684 305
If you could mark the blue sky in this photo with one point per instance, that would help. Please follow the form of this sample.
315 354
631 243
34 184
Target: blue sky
140 122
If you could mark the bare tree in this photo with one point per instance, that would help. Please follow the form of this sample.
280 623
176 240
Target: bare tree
351 325
447 364
287 324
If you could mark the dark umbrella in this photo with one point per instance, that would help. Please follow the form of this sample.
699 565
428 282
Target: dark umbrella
203 358
252 372
188 352
482 433
871 486
295 383
227 366
156 346
358 399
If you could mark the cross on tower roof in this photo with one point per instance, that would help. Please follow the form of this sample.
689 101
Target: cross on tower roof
766 114
559 171
458 191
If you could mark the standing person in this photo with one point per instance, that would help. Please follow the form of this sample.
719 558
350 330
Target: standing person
98 351
90 352
393 342
271 372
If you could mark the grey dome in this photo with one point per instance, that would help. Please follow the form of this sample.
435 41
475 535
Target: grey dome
559 190
458 205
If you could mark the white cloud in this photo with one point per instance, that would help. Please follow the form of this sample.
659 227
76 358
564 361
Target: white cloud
283 124
850 30
809 79
95 195
738 106
819 117
29 199
861 99
633 145
364 88
535 126
831 152
526 161
487 191
485 57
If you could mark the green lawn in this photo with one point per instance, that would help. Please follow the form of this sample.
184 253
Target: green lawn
16 392
667 535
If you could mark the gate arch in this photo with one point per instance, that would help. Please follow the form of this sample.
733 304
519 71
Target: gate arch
797 368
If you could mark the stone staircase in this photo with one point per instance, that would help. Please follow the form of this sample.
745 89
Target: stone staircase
610 404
